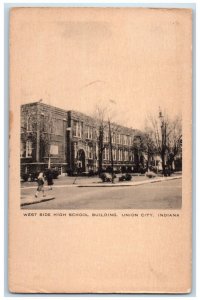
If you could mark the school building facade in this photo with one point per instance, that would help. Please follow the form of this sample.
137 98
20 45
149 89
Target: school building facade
68 140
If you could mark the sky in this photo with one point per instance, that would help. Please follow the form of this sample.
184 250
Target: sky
130 60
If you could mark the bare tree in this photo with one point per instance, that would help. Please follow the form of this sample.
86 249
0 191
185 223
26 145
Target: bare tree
166 135
174 142
47 128
100 116
104 126
148 145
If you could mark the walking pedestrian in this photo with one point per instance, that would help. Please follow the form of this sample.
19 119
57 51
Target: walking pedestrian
40 182
49 177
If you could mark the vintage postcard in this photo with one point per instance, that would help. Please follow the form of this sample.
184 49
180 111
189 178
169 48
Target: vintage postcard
100 190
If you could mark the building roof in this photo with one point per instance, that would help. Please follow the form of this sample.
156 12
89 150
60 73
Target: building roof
83 117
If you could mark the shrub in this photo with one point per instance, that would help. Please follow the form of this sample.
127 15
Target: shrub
125 177
150 174
106 177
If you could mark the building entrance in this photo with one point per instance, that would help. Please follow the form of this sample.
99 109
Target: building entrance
81 160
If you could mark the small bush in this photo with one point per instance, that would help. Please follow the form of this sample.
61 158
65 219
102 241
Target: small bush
106 177
125 177
150 174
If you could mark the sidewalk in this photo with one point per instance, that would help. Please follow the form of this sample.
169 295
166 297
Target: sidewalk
130 183
75 181
67 181
27 199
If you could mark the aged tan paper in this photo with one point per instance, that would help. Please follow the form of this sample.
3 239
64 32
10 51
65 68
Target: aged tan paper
91 239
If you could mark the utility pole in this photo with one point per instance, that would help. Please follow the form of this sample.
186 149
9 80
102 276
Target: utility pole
38 133
163 139
111 153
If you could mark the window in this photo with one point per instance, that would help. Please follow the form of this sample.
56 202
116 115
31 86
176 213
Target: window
74 128
97 150
29 148
106 154
89 132
114 138
131 156
89 152
117 138
126 155
75 150
90 156
106 137
114 154
29 125
125 140
77 128
22 150
120 157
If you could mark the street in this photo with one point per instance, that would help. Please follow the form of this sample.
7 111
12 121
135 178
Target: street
158 195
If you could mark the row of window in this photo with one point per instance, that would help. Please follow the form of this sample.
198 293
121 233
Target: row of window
118 154
27 149
120 139
78 130
92 153
47 124
117 138
57 128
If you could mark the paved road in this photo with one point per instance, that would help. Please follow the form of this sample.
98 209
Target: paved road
160 195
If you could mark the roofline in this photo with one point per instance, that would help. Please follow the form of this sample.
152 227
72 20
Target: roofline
135 130
45 104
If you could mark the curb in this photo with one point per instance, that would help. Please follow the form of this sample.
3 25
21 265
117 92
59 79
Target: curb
37 201
109 184
55 186
129 184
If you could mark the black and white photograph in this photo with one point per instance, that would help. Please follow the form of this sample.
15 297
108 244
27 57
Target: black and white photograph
101 112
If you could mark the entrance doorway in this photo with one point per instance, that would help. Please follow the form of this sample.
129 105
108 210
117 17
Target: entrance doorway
81 160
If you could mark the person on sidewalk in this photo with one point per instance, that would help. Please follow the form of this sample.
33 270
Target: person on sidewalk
49 177
40 182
